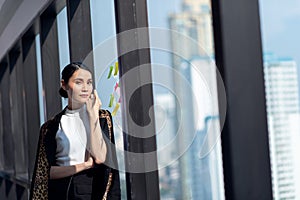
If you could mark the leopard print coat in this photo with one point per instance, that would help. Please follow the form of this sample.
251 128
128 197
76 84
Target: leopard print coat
46 155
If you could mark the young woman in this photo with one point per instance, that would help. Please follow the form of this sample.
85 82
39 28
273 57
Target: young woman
74 144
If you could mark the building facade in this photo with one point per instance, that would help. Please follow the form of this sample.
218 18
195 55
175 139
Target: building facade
282 97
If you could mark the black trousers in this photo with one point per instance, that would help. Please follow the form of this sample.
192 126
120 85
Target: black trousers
86 185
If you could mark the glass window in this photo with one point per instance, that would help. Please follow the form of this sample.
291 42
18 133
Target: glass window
106 71
185 97
63 44
40 79
280 37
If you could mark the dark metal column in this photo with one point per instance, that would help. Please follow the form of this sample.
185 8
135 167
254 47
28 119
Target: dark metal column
245 147
50 62
2 160
80 31
17 111
131 14
7 139
31 97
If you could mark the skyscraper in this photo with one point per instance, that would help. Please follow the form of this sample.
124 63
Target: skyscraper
208 171
201 177
165 127
281 85
195 22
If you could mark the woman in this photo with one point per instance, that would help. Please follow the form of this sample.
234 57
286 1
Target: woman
74 144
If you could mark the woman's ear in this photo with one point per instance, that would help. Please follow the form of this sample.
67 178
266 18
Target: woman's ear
63 85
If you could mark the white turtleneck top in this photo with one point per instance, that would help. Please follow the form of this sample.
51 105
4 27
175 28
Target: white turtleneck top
72 136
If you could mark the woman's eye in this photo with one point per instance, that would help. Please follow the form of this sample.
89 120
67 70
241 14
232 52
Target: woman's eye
78 82
90 83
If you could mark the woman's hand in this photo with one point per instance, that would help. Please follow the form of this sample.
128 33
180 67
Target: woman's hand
96 146
65 171
93 105
89 163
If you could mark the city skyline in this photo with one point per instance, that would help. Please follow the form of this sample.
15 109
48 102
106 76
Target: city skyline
200 174
282 100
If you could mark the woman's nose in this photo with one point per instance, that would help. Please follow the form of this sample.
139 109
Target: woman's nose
84 87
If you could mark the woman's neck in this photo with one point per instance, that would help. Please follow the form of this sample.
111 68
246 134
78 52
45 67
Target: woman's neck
74 106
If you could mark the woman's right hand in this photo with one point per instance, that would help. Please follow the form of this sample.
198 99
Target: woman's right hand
65 171
89 163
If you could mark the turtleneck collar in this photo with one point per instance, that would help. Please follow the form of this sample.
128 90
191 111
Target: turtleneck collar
75 112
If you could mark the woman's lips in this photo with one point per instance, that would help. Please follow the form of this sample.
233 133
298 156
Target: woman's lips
84 95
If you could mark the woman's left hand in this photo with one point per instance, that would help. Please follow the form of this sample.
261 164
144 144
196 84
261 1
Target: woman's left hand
93 105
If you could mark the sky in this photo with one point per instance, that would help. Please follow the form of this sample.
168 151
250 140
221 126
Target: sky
280 23
280 26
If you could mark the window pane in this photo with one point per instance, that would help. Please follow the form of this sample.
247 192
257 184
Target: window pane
281 71
40 79
185 96
105 61
63 44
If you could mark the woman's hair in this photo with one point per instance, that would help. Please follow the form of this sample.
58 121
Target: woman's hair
67 72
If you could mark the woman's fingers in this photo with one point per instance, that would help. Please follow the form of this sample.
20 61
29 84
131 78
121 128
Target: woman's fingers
94 104
90 162
97 98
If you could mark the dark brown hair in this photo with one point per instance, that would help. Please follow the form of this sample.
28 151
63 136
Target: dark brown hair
67 72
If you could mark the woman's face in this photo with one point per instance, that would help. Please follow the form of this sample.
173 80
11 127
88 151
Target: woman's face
79 87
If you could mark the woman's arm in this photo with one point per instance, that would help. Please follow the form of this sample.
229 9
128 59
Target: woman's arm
97 146
57 172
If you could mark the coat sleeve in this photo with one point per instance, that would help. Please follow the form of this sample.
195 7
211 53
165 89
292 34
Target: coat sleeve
114 191
39 184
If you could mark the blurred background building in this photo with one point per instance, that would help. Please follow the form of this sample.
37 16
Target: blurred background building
281 81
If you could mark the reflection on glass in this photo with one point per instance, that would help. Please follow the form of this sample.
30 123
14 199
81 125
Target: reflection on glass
281 71
63 44
40 79
105 58
186 105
